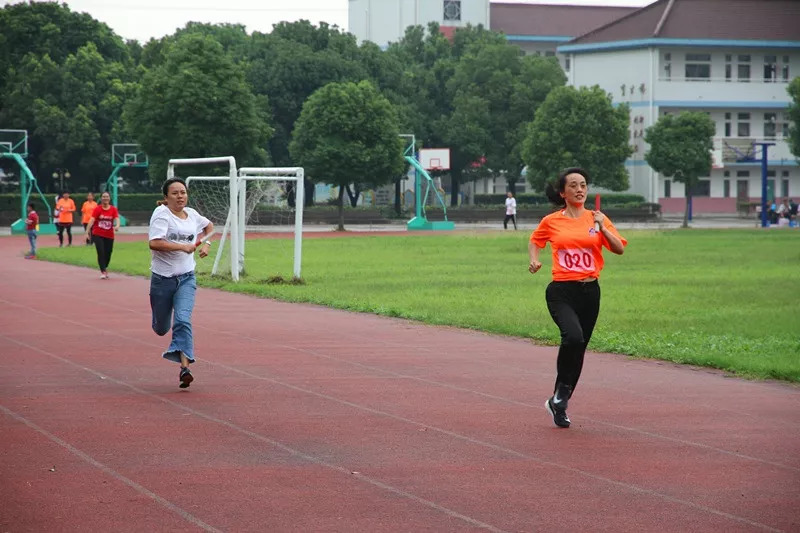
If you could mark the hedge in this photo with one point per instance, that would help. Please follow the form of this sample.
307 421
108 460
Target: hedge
127 202
541 199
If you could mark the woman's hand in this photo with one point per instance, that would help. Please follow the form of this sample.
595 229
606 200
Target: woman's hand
599 217
204 250
189 248
534 267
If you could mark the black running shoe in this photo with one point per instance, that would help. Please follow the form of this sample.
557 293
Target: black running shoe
559 415
186 377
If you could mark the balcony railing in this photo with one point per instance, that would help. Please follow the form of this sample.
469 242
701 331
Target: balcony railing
682 79
744 149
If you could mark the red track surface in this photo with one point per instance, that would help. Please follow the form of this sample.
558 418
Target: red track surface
303 418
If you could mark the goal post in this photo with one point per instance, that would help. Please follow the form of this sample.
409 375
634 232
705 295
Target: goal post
294 175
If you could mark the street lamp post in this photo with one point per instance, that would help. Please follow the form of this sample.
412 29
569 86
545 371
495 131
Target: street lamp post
60 174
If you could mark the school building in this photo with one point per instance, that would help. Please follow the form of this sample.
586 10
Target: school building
732 59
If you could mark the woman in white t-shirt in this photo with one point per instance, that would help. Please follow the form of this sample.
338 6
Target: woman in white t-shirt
176 231
511 211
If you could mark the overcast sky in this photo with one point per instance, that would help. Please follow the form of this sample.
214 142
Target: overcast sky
144 19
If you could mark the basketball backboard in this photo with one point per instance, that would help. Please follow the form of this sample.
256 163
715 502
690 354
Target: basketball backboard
128 154
434 158
14 142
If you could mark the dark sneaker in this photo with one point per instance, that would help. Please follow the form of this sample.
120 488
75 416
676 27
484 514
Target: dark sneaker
186 377
559 415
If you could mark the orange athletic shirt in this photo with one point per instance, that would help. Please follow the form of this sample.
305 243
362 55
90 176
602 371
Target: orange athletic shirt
87 209
576 246
67 207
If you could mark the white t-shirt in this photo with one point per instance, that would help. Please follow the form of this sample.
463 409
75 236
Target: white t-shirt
511 206
165 225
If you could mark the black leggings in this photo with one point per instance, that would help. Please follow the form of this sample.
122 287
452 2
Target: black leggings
574 306
61 228
512 218
104 247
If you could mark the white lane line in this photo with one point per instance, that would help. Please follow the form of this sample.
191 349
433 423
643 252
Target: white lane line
111 472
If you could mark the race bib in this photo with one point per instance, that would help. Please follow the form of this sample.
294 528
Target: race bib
104 224
576 259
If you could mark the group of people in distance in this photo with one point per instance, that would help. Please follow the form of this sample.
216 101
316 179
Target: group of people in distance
100 222
783 213
576 236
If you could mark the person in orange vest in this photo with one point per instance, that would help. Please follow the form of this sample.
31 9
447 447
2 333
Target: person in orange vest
86 214
65 207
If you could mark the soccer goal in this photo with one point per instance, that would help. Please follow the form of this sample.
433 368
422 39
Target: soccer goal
248 200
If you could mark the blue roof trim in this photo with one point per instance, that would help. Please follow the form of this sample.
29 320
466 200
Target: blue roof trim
703 103
644 43
541 38
770 162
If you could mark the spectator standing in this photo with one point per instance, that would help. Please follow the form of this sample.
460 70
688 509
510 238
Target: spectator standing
86 213
511 210
32 229
65 207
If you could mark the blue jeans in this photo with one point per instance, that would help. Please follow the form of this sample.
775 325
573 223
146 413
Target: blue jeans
172 300
32 240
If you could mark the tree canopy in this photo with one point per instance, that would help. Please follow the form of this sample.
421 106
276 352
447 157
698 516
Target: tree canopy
198 104
680 148
794 116
578 127
347 133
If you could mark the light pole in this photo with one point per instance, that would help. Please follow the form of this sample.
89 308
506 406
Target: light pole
60 174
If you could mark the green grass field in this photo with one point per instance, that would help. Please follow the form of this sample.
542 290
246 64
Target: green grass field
727 299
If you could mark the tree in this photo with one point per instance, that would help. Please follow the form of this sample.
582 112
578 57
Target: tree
794 117
347 133
578 127
509 87
198 104
680 148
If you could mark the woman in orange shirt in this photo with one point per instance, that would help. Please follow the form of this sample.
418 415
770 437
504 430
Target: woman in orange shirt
86 215
65 207
576 236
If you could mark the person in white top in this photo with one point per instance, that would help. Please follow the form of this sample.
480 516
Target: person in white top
511 211
176 231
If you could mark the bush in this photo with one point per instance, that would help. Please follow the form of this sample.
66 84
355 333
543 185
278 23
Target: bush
127 202
614 199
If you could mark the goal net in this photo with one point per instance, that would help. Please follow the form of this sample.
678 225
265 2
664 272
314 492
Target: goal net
263 204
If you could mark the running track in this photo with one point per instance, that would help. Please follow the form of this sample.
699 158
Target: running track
303 418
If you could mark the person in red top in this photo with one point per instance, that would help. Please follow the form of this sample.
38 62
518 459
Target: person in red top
32 229
65 207
576 236
101 226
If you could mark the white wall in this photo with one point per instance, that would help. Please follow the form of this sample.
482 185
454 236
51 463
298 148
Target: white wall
385 21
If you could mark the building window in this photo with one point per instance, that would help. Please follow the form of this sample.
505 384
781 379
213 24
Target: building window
742 173
726 188
452 10
784 188
743 125
667 57
668 70
770 68
783 125
702 188
698 67
743 68
770 125
728 71
667 189
727 124
785 69
567 64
